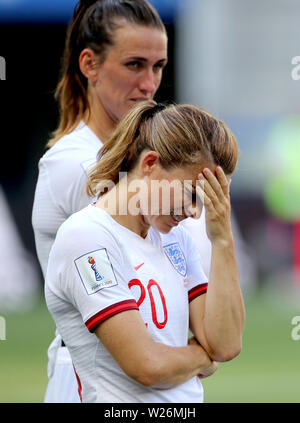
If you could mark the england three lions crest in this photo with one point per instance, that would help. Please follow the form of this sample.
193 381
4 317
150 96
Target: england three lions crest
176 257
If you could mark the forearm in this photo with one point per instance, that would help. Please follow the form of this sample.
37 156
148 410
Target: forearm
172 366
224 309
148 362
218 322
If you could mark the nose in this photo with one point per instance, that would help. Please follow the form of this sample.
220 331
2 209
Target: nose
149 82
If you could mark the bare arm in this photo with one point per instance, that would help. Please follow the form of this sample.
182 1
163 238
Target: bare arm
148 362
217 318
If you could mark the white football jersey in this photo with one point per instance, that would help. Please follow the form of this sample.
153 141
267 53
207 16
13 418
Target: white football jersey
98 268
60 189
59 193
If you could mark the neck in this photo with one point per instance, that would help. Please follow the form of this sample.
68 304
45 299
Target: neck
116 203
99 121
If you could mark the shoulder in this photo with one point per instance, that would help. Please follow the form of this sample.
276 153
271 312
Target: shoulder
86 231
63 170
86 227
85 234
77 148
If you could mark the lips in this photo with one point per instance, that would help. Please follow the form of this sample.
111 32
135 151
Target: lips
137 100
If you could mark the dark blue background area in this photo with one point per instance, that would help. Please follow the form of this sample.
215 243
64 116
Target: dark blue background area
60 11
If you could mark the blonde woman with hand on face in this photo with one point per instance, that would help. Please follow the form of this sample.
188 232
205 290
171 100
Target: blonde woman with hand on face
118 299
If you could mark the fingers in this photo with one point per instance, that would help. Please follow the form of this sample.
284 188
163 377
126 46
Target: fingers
224 180
214 366
216 187
207 195
216 199
218 181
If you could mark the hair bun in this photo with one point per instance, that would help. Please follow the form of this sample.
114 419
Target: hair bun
81 7
87 3
150 113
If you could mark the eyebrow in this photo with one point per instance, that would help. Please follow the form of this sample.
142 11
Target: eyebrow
143 59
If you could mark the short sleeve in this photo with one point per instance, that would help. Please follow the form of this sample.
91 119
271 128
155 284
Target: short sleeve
94 278
67 183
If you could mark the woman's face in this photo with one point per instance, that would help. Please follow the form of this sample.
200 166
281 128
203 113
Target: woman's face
176 198
132 69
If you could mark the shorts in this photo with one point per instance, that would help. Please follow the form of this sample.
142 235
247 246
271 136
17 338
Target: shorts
62 386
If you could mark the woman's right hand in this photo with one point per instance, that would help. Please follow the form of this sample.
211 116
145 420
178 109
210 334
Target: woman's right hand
210 370
212 366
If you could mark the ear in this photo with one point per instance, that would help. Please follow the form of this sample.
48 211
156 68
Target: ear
88 64
149 162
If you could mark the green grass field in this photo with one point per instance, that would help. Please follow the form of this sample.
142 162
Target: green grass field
267 370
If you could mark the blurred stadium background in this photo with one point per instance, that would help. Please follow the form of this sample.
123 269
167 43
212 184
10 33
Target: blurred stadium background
232 57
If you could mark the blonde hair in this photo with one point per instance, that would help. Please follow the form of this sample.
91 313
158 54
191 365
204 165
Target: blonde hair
93 26
181 134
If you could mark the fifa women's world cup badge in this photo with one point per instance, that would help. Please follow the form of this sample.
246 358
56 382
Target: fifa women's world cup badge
91 260
95 271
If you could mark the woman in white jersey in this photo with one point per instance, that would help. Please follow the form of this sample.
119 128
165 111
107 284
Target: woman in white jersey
114 56
121 301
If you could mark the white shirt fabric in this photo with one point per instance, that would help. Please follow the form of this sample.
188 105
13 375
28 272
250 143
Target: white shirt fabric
60 189
98 268
60 193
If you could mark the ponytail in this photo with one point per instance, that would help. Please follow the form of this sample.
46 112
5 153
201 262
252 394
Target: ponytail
71 91
120 152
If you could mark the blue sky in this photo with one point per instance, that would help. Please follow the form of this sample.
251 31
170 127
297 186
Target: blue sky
60 11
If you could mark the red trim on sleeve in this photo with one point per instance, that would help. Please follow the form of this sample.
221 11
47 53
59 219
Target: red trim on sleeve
197 290
109 312
79 384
